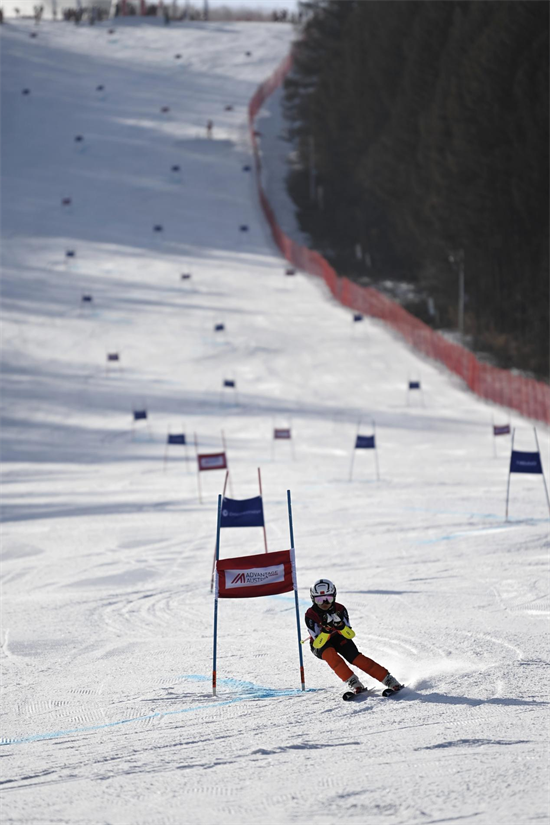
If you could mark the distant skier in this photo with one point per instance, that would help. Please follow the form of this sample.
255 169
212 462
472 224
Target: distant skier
331 638
209 127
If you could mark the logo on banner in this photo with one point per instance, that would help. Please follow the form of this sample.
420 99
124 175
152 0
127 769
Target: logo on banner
243 514
525 462
263 574
254 577
213 461
247 512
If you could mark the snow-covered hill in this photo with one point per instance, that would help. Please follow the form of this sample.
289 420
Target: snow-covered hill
107 553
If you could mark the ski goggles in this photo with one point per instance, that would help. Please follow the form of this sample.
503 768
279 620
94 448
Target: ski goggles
322 599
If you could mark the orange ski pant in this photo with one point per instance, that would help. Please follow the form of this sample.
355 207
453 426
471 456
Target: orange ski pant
341 669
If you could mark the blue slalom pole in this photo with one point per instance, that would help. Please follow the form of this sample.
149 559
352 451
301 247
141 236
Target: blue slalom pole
509 473
216 597
295 582
541 469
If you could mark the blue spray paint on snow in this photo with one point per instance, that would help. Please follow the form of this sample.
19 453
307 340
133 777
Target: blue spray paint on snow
251 691
247 690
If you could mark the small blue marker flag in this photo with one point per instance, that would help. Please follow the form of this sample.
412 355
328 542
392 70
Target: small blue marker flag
357 317
139 415
414 385
229 382
247 512
525 462
176 439
219 327
365 442
501 429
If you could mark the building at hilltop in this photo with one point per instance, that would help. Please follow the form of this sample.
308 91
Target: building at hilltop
54 9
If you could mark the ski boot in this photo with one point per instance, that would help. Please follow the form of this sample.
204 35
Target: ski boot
355 684
391 685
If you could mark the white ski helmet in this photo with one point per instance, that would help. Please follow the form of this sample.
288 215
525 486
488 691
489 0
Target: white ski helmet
322 587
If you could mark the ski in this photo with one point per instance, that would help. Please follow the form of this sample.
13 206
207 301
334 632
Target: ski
350 695
391 692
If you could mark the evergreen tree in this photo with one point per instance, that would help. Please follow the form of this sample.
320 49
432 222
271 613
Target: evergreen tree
426 124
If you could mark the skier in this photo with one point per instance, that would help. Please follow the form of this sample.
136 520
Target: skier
331 638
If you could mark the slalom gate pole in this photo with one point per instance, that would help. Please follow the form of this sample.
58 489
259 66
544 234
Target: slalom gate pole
353 451
295 582
509 473
184 431
227 462
215 649
262 497
198 469
375 451
217 539
166 448
543 479
352 460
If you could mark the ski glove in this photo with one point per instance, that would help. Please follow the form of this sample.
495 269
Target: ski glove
347 632
321 640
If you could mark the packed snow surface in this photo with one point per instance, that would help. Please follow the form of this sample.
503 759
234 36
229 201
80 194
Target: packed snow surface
108 714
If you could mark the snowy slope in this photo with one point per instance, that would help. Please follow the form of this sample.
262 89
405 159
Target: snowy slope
107 713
